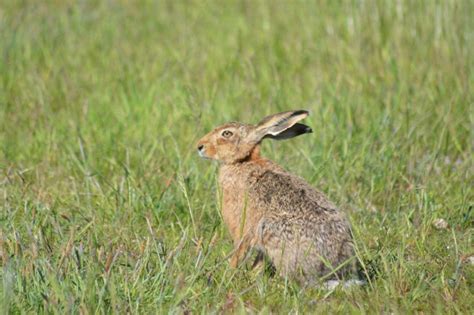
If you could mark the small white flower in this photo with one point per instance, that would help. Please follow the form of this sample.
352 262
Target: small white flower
470 260
440 224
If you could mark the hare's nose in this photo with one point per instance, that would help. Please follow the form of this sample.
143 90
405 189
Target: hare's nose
200 147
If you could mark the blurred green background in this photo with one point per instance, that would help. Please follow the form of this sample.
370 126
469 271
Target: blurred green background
105 207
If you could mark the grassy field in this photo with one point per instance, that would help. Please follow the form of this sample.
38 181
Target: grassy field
106 207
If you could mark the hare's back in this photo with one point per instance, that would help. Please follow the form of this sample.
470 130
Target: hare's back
283 192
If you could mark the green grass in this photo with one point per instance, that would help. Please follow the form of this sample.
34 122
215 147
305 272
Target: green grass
105 206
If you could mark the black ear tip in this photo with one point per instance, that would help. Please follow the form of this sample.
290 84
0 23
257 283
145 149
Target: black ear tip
308 130
300 112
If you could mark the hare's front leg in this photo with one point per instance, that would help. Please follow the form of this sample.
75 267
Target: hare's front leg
241 248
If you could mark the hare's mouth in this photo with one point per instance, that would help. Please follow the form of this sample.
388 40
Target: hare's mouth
202 153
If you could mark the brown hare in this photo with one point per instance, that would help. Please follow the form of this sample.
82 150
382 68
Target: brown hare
305 236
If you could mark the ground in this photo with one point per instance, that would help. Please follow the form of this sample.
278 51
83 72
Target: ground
106 207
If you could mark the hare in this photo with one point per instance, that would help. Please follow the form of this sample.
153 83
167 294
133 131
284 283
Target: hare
305 236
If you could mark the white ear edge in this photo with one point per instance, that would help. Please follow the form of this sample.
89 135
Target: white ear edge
274 133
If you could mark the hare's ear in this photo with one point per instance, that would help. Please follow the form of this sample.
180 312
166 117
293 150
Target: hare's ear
281 126
294 131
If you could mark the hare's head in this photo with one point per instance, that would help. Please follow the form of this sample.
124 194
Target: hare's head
234 142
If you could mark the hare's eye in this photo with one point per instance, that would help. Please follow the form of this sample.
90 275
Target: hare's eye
227 134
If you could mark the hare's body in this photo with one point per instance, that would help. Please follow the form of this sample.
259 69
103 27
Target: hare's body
265 207
303 234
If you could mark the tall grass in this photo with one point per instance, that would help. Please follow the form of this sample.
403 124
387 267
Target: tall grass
106 207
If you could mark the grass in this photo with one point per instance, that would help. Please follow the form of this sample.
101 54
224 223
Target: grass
105 206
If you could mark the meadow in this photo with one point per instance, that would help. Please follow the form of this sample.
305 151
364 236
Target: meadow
105 207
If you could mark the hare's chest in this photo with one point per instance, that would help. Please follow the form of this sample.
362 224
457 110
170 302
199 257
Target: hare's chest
237 210
233 206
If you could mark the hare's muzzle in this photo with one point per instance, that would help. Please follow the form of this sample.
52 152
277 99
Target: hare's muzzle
201 150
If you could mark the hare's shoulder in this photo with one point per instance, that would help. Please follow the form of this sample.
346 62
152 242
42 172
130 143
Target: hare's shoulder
278 190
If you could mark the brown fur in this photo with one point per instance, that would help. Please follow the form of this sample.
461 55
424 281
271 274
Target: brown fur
304 235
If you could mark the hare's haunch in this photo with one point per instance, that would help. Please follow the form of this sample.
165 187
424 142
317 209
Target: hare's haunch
305 235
